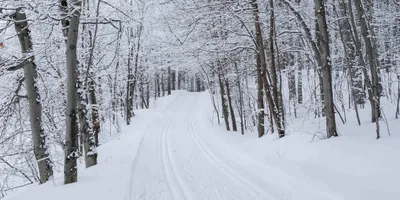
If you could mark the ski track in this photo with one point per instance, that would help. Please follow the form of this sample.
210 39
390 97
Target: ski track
134 164
284 192
175 182
172 173
131 191
251 188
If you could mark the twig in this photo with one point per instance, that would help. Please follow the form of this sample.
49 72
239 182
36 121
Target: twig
386 122
16 169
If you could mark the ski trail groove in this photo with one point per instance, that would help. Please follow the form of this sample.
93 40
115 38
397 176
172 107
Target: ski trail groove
250 187
134 163
131 190
175 182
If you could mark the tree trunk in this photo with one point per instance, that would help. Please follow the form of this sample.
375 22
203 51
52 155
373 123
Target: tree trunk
260 70
241 104
162 84
326 68
300 84
63 7
135 72
173 84
398 97
350 54
355 74
369 48
228 93
129 83
114 100
198 84
141 93
212 92
225 111
71 136
158 87
92 139
277 105
169 81
361 60
35 106
147 95
277 117
82 118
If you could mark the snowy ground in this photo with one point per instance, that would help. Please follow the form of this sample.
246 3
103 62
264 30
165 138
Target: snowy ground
174 152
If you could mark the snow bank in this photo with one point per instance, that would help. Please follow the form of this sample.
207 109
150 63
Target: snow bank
354 165
110 179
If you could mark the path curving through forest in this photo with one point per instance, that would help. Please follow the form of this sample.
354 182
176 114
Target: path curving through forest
179 159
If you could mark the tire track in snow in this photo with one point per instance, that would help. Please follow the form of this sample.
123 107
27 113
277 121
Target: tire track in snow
249 186
175 182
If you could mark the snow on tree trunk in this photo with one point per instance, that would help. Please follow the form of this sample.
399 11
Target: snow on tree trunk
71 136
35 106
326 68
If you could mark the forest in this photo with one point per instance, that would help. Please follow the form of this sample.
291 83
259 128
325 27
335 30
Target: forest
73 73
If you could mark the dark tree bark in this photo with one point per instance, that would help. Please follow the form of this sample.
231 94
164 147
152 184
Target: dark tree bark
198 84
147 95
228 93
169 81
225 111
398 97
326 68
260 70
277 104
129 83
355 73
71 136
300 84
357 42
367 35
92 139
158 86
173 84
241 103
63 7
162 84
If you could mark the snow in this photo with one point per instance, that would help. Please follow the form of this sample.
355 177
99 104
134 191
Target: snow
172 151
354 165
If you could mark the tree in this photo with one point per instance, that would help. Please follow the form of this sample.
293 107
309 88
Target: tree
326 68
35 106
71 136
367 34
355 72
261 64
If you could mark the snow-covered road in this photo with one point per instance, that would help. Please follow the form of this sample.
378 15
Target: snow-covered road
178 159
173 151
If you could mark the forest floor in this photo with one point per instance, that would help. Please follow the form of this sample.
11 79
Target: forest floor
177 151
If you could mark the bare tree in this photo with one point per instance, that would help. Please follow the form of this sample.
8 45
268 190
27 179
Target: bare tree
326 68
35 105
260 57
355 73
370 48
71 136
